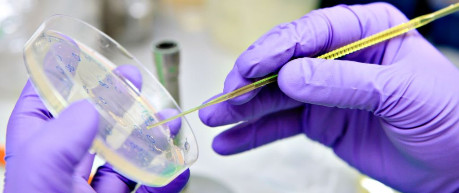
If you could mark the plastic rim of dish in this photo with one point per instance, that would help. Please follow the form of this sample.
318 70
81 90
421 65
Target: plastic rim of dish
69 60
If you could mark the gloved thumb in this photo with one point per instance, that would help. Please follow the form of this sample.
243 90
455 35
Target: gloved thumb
334 83
70 135
47 161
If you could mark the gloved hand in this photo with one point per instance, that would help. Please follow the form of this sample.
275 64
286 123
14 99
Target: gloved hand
46 154
391 110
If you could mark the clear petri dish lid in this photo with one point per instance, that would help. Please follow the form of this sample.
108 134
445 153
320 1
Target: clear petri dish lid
69 60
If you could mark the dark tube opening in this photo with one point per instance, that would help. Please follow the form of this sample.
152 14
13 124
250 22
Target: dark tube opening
166 45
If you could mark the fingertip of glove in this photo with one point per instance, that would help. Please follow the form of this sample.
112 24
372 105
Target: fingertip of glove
256 63
132 73
245 64
234 81
293 77
174 125
232 141
220 146
205 115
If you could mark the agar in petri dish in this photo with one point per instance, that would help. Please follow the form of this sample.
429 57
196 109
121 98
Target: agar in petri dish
69 60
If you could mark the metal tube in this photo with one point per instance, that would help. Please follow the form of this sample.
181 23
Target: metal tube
166 56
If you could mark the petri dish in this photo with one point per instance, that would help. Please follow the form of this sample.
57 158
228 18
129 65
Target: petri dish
69 60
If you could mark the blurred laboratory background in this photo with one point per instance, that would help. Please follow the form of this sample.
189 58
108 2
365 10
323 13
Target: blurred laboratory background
210 34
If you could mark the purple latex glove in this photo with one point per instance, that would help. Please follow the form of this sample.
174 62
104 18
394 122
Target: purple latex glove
44 154
391 110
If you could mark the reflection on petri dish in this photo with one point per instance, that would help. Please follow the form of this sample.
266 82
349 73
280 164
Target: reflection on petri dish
69 60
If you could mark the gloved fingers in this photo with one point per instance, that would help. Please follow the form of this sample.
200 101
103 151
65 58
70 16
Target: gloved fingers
316 33
106 180
253 134
342 84
339 128
174 186
269 100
